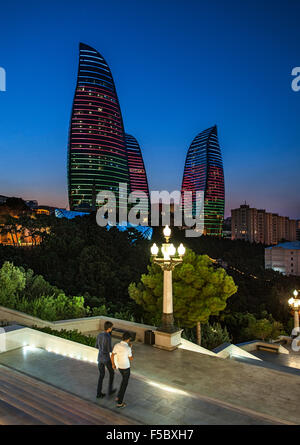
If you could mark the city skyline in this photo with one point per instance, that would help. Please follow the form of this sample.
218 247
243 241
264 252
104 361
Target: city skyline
167 93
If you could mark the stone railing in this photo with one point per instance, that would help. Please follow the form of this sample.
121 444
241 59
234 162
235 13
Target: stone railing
88 325
20 337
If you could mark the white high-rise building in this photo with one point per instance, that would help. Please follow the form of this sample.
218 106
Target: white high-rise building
284 258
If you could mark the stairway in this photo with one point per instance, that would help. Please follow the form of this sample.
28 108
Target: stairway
27 401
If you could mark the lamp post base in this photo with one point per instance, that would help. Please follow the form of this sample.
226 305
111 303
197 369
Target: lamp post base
167 340
167 324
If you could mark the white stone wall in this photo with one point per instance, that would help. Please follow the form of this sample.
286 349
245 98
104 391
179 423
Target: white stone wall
30 338
83 325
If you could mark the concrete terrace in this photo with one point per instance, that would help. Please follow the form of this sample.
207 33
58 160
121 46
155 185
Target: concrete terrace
179 387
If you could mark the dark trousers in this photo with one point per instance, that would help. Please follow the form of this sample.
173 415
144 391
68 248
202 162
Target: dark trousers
101 367
125 377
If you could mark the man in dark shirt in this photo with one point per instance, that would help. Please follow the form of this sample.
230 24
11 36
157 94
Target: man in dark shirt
103 343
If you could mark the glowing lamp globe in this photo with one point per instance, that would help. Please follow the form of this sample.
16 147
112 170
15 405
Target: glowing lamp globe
181 250
154 249
172 250
167 232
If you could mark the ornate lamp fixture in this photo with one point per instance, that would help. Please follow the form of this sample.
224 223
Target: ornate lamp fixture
294 302
168 262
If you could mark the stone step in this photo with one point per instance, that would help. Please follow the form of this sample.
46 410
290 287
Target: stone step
50 405
52 397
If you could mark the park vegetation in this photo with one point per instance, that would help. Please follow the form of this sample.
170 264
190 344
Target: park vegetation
80 269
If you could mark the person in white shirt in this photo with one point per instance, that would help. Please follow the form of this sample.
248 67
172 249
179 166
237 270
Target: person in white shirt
122 352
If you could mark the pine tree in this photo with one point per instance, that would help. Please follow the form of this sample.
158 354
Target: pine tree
199 291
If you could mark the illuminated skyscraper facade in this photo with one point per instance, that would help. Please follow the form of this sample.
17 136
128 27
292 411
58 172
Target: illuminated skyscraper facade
97 156
203 171
137 173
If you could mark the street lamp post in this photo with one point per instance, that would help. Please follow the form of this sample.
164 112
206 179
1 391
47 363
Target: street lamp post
294 302
168 262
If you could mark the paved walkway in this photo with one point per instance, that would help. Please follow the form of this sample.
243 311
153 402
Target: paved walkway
264 391
164 390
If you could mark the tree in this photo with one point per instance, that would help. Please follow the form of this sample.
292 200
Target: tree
10 225
263 329
12 281
214 335
80 257
36 286
236 323
14 206
29 297
199 291
31 229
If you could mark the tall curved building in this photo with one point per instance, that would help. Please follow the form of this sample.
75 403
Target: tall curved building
137 173
203 171
97 156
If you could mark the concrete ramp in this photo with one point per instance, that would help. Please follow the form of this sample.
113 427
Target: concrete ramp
189 346
228 350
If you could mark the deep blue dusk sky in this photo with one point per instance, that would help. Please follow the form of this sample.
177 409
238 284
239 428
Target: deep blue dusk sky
179 67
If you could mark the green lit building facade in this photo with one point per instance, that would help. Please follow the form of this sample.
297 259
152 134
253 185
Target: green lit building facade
203 171
97 156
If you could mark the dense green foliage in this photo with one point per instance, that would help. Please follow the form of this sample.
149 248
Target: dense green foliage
84 259
212 335
31 294
76 336
263 329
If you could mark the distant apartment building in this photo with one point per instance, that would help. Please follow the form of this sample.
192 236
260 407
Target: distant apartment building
244 224
284 258
259 226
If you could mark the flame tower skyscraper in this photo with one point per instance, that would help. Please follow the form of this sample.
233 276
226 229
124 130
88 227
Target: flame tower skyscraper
203 172
137 172
97 155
